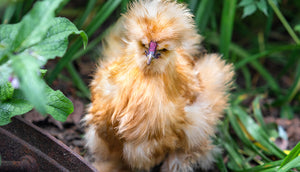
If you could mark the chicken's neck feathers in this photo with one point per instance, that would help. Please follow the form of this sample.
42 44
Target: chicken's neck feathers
153 100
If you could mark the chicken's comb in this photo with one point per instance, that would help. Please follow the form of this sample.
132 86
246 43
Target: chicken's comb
152 46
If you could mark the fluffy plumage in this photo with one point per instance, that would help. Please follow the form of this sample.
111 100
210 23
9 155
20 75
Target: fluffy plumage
164 111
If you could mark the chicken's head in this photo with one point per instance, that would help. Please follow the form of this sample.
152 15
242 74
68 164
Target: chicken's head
156 30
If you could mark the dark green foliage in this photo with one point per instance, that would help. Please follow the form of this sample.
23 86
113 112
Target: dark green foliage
25 47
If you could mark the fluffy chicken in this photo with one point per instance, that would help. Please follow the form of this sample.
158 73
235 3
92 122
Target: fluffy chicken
156 95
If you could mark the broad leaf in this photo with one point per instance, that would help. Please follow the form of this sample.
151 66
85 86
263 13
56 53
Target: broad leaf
58 106
28 45
35 24
32 85
6 90
249 9
8 34
5 72
17 105
246 2
262 6
55 43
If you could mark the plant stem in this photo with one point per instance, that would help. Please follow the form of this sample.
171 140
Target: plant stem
284 22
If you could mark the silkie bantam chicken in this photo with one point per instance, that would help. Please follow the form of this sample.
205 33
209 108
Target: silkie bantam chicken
156 94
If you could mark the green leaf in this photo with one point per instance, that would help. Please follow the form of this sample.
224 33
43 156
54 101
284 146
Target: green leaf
221 165
227 21
8 33
235 122
262 6
27 70
58 106
248 10
6 90
266 167
17 105
292 164
205 8
257 132
26 46
35 24
88 10
297 28
244 3
43 72
9 11
55 43
292 155
5 71
258 114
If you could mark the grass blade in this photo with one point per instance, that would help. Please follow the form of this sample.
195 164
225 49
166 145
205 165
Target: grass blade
264 54
257 133
86 13
124 5
237 161
77 81
247 77
102 15
271 166
292 155
292 164
227 21
221 165
192 5
244 135
203 13
236 157
9 12
258 114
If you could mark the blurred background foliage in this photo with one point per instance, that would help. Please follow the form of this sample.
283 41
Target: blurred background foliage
261 39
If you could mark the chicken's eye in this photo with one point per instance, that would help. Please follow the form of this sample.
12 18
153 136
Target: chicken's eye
163 50
143 45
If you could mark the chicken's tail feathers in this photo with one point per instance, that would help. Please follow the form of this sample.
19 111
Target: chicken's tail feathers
216 79
215 72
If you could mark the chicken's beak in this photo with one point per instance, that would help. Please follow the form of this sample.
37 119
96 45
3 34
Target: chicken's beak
151 54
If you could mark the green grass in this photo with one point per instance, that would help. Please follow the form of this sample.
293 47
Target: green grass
264 48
